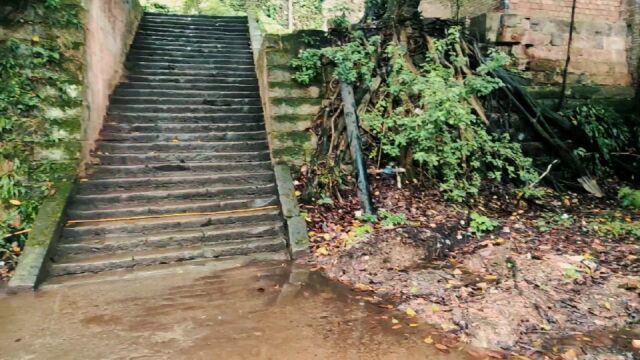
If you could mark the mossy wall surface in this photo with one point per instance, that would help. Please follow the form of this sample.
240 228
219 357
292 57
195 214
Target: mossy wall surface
44 106
291 108
41 106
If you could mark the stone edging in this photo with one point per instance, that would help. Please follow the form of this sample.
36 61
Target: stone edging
46 230
296 226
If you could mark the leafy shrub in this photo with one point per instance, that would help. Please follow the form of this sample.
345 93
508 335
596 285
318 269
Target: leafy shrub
440 129
481 224
392 219
616 229
352 60
629 198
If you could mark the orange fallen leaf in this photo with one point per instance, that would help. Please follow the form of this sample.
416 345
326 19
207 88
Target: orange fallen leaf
396 327
442 347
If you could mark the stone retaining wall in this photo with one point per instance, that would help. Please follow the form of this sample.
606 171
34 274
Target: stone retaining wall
289 107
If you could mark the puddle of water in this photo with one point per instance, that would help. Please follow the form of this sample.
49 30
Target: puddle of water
266 311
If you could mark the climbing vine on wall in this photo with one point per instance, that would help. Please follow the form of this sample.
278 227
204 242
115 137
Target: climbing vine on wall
40 109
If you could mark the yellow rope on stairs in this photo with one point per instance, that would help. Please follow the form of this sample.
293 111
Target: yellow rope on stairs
250 210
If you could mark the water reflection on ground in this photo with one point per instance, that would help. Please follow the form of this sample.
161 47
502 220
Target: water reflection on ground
264 311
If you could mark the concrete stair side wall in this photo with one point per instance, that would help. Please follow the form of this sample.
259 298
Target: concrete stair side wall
290 108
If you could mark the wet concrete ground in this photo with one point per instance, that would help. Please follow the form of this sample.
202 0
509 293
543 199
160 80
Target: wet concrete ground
264 311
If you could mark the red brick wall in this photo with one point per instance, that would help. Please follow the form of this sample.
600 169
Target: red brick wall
603 10
473 8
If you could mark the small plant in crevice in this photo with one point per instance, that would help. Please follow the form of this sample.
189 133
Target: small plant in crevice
481 224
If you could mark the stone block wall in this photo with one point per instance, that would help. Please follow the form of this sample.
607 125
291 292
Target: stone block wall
536 32
290 108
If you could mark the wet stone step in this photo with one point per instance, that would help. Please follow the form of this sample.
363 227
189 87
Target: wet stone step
81 211
141 159
200 73
205 236
154 225
189 67
176 168
212 33
150 93
189 42
182 137
193 48
183 109
186 119
149 197
177 146
185 55
188 126
130 100
99 186
201 60
209 85
78 265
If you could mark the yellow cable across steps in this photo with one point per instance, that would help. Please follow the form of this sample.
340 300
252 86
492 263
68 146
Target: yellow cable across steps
71 222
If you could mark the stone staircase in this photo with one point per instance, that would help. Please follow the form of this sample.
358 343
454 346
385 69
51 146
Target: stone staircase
184 134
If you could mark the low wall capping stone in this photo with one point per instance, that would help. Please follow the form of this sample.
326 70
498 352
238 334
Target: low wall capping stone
46 231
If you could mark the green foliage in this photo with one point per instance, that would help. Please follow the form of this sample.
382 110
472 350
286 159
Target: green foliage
214 7
606 129
157 7
436 123
629 198
339 22
353 61
616 229
532 193
550 221
367 217
41 87
481 224
392 219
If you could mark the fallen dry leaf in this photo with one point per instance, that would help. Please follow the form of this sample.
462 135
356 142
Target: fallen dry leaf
410 312
442 347
428 340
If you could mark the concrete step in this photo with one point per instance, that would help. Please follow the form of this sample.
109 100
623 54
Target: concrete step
185 54
250 90
202 80
182 109
181 126
182 137
205 236
178 147
165 41
192 23
192 48
166 18
190 38
173 182
202 60
147 66
93 264
148 197
186 169
146 93
82 211
219 33
205 28
148 159
205 100
155 225
159 118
